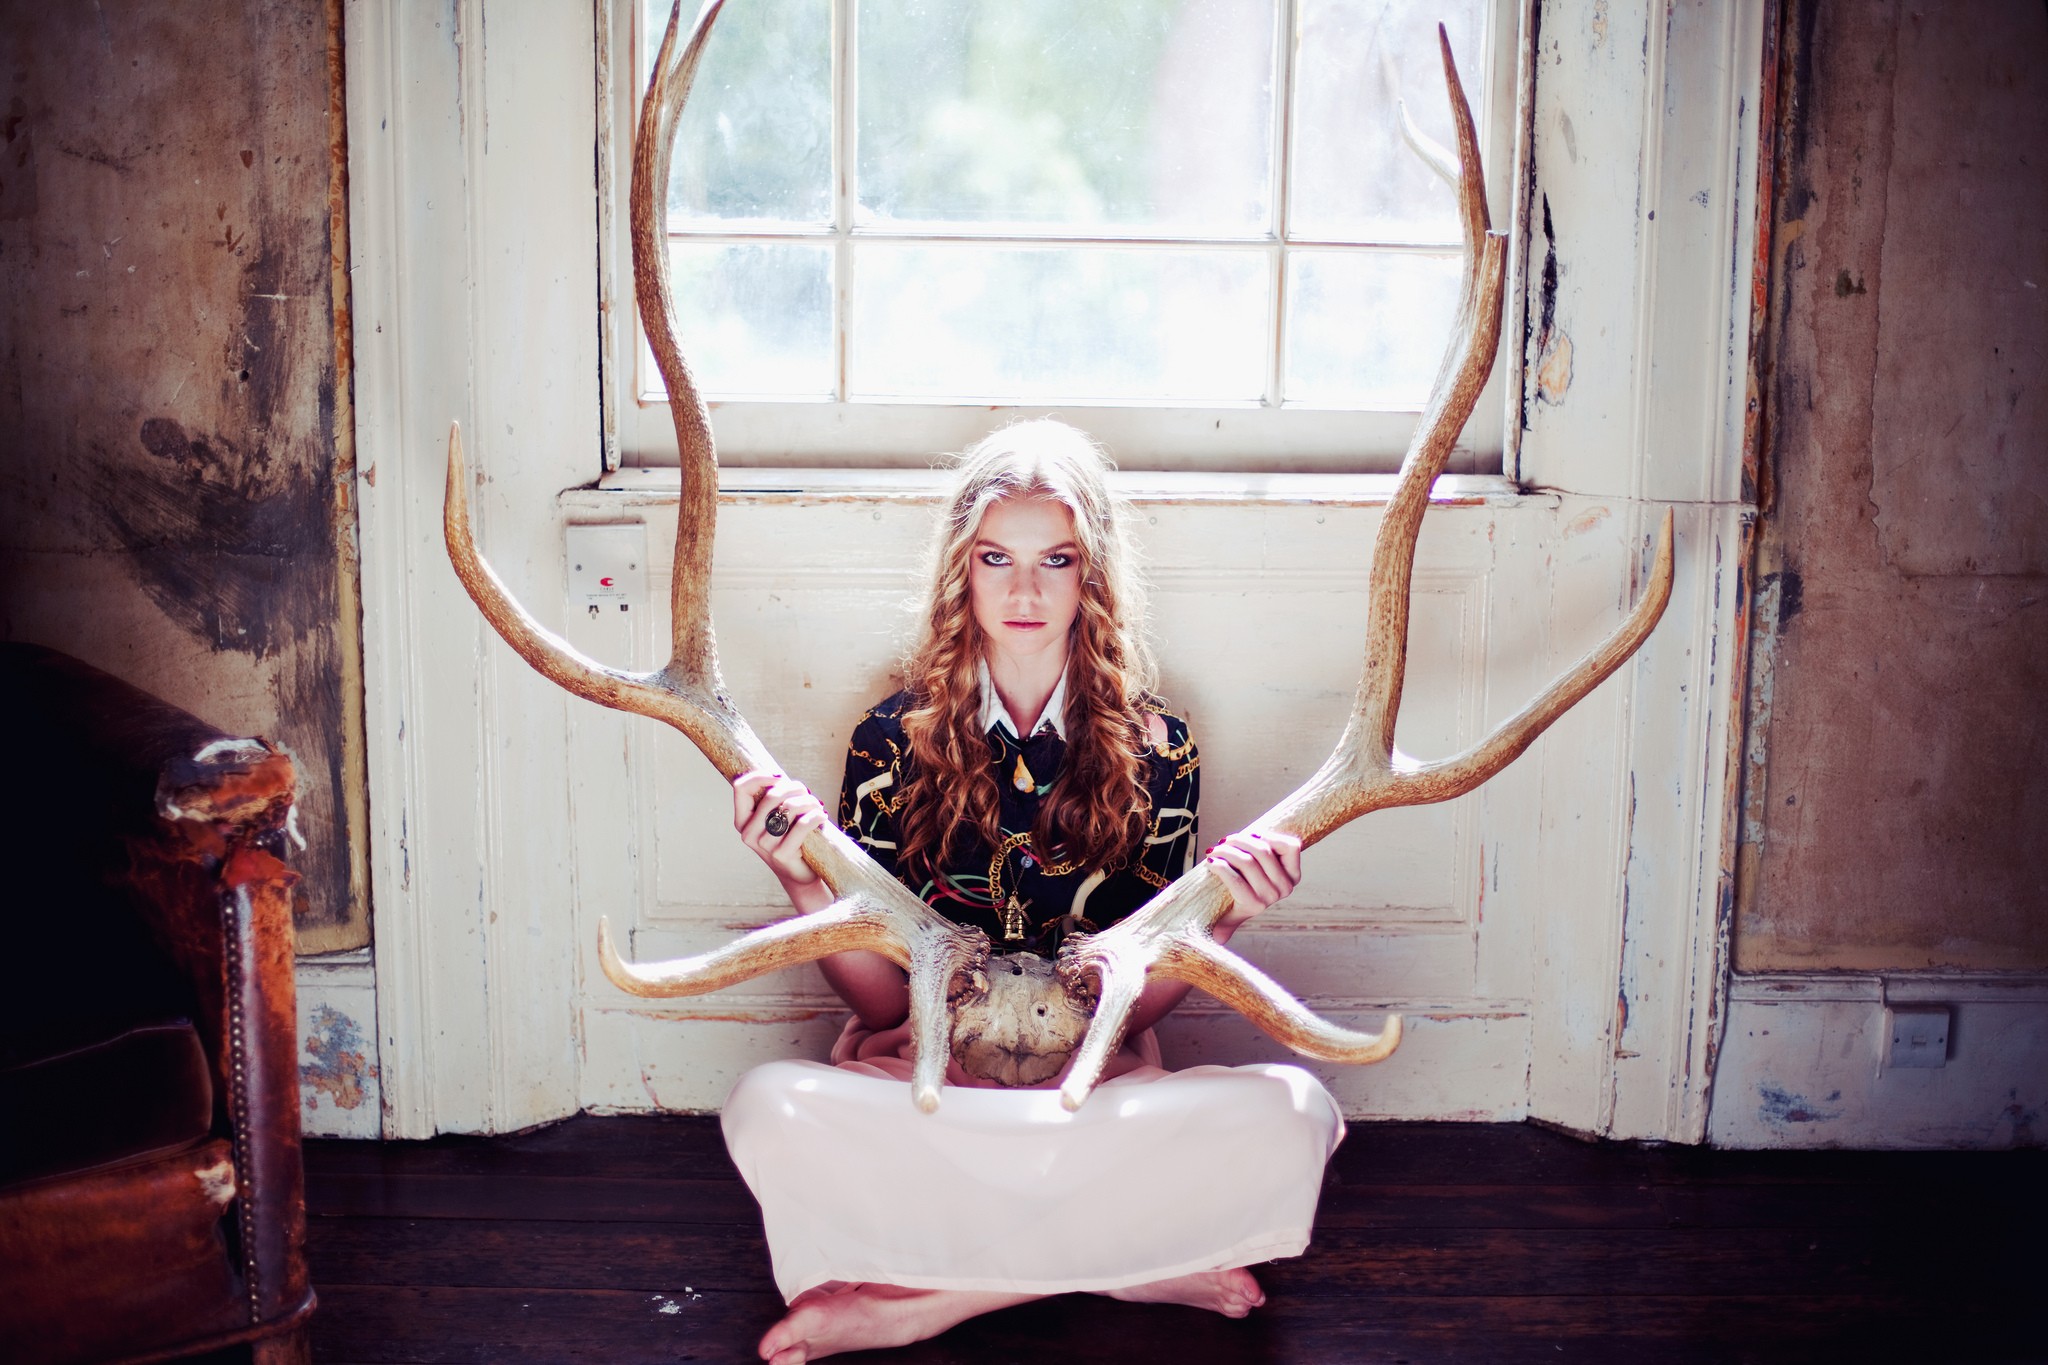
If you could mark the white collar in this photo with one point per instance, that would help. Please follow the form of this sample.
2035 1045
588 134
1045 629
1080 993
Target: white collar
993 710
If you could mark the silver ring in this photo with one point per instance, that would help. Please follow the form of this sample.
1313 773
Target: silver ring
777 823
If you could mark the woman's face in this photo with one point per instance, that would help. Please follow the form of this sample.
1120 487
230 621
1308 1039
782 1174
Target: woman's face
1024 576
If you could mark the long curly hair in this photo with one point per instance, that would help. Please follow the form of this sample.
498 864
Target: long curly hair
1095 813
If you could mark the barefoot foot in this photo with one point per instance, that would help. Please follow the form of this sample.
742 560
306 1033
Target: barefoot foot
860 1317
1233 1293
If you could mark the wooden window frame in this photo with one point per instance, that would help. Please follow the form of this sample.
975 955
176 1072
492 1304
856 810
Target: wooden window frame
1266 436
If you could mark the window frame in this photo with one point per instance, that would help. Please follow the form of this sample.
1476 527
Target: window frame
1221 437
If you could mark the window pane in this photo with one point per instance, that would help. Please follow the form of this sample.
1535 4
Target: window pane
964 320
1355 179
756 320
756 137
1367 328
1133 116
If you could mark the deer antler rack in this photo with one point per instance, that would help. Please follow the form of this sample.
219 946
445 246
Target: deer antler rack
1169 935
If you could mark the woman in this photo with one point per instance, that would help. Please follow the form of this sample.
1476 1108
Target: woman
888 1226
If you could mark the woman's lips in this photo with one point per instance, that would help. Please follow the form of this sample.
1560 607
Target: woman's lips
1024 625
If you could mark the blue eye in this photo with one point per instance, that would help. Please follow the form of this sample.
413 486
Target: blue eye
995 559
1060 561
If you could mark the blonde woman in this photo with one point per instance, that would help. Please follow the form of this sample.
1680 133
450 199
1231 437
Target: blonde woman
1026 781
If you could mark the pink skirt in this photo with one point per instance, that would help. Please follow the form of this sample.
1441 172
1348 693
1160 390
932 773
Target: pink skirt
1159 1174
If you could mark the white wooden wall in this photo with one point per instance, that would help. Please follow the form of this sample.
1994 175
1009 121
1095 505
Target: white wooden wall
1556 936
1259 609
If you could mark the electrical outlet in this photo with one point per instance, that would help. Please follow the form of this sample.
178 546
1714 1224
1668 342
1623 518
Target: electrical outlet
607 568
1916 1035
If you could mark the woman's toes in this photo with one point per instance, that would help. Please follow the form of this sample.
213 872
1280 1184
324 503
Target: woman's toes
787 1342
1239 1292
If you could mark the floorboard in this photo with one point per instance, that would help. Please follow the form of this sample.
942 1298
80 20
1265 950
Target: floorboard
632 1239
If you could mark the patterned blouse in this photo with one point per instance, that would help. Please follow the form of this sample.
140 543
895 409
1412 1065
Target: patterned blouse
1010 892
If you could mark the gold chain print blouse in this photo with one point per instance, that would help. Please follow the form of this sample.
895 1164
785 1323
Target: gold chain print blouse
1024 898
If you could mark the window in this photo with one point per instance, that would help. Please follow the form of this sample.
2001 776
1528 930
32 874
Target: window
1191 226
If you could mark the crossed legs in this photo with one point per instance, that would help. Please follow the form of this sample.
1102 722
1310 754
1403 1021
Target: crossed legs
858 1317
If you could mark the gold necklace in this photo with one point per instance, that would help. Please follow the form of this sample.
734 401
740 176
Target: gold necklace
995 874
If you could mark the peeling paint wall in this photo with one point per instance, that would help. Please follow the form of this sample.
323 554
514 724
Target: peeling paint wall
340 1086
175 497
1803 1064
1897 792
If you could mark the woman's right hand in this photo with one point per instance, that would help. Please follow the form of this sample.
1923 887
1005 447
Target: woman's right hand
872 984
756 798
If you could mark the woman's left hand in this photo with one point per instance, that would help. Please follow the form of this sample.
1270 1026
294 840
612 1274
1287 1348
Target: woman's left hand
1260 870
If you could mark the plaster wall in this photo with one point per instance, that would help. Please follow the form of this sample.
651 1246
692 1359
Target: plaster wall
1897 787
175 484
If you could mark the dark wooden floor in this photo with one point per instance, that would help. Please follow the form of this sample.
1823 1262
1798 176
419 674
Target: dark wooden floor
632 1239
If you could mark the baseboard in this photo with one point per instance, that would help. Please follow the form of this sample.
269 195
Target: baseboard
339 1094
1802 1063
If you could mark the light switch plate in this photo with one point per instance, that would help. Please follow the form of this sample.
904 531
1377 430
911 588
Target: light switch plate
607 568
1916 1035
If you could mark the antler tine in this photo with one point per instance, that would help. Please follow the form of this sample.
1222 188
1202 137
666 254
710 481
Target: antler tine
1432 153
675 71
1202 962
688 693
872 910
550 655
932 954
786 943
1452 777
1468 358
1170 936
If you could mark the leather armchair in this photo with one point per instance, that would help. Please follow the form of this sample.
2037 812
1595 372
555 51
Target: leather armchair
152 1193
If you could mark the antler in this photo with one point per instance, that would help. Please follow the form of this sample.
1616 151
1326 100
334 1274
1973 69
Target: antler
1170 935
871 910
